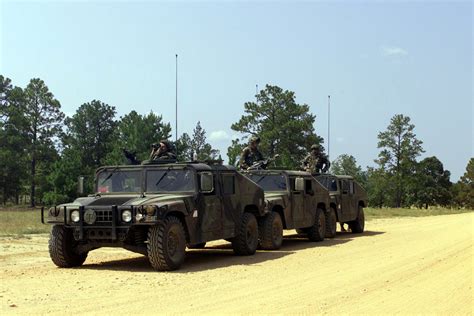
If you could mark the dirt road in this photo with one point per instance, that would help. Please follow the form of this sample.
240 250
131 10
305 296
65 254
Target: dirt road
409 265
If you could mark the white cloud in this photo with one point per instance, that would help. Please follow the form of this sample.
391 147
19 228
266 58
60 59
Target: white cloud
394 51
217 136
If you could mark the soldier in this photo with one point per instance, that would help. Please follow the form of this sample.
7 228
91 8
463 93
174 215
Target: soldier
162 151
316 161
250 154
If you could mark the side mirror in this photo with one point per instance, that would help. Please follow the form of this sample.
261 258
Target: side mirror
80 185
207 182
299 184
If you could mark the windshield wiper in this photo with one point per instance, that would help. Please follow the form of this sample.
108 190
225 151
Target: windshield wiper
109 176
162 177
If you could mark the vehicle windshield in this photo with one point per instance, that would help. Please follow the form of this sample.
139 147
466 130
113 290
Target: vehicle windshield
169 180
116 180
329 183
269 182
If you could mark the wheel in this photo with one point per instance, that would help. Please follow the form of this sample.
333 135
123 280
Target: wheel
357 226
201 245
331 223
62 248
246 241
166 244
318 230
270 231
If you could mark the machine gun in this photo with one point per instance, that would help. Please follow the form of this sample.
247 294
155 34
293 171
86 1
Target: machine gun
131 157
262 164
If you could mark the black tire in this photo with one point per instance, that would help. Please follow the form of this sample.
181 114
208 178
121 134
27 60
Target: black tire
318 230
246 241
357 226
270 231
62 248
166 244
201 245
331 223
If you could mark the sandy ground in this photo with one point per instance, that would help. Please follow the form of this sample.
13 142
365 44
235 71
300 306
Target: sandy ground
398 266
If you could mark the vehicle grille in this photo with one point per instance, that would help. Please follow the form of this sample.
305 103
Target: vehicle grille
103 217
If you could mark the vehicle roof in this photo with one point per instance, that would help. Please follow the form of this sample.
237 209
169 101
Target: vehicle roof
198 166
334 175
275 171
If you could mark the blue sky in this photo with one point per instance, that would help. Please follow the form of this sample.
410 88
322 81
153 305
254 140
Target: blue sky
375 60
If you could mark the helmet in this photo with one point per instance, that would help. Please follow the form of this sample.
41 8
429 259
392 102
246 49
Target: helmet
166 143
254 139
315 147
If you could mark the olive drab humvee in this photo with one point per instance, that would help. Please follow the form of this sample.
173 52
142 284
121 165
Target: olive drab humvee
348 199
295 200
157 210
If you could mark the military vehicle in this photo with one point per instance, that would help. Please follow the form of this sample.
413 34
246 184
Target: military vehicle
156 210
295 200
348 199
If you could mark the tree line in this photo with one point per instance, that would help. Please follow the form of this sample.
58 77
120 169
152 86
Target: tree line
43 151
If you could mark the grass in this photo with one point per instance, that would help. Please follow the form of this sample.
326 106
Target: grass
373 213
18 222
22 221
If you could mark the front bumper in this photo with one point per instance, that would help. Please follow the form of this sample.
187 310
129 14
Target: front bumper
107 224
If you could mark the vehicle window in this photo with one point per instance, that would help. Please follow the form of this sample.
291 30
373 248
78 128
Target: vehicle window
329 183
351 187
308 186
271 182
116 180
228 184
169 180
345 186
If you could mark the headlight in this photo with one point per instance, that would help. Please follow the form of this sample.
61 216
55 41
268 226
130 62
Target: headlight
127 216
75 216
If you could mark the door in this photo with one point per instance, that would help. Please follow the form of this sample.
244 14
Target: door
230 201
309 202
297 205
346 200
211 212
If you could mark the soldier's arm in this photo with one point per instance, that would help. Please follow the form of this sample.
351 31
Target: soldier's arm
243 158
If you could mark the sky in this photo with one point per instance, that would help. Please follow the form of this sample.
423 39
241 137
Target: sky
375 59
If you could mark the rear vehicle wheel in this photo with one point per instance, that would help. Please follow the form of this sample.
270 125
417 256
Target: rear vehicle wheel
201 245
357 226
166 244
62 248
318 230
246 241
270 231
331 223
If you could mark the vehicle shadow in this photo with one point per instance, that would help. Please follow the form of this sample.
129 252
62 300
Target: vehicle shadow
221 255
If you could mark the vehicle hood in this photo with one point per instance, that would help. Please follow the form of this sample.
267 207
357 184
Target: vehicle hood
133 200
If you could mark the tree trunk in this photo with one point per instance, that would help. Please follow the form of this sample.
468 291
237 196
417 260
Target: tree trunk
33 184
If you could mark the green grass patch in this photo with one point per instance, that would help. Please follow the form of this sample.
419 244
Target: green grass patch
372 213
18 221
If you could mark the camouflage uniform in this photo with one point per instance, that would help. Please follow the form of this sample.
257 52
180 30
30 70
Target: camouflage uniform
316 162
162 154
250 155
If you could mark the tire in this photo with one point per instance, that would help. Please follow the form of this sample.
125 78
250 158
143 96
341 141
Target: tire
357 226
318 230
246 241
270 231
62 248
201 245
331 224
166 244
